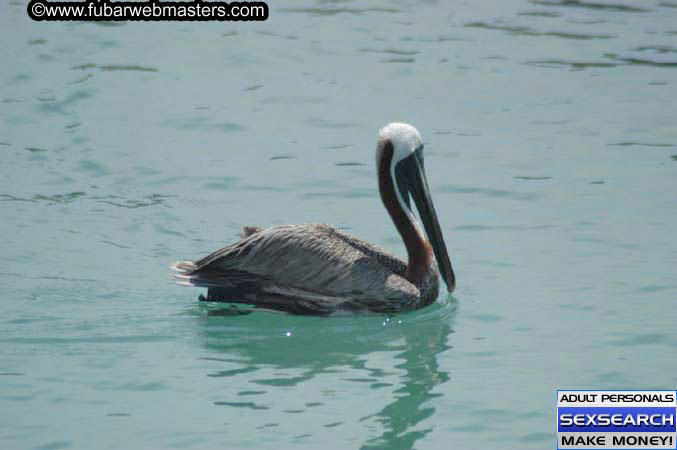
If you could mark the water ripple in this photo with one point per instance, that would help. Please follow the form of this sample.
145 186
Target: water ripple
574 65
391 51
524 31
332 11
489 192
248 405
54 199
616 7
399 60
642 339
121 202
636 60
114 67
640 144
58 340
539 14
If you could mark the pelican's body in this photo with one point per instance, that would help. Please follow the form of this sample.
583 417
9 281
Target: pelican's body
319 269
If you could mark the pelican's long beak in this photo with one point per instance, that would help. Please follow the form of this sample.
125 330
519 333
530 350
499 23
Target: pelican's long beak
417 184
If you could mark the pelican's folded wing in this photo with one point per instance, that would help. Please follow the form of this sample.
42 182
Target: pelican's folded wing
317 262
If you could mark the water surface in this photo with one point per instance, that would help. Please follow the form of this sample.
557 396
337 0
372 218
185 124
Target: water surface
551 151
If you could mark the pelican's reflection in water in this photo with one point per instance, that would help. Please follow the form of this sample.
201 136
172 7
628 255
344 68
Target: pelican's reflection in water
363 381
421 374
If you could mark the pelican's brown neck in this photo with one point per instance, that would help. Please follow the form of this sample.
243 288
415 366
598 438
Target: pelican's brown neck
419 250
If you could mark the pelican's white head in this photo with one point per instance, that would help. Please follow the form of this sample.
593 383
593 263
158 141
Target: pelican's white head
404 138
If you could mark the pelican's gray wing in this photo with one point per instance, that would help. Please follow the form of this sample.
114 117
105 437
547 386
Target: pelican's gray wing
317 267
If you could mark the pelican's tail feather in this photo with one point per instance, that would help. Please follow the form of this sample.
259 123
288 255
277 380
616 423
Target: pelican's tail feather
183 266
188 274
232 286
222 286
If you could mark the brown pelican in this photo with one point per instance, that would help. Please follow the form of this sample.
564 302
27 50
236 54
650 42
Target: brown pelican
319 269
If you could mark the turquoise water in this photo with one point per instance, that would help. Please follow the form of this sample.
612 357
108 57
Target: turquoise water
551 150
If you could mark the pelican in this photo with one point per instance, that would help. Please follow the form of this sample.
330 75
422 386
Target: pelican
318 269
